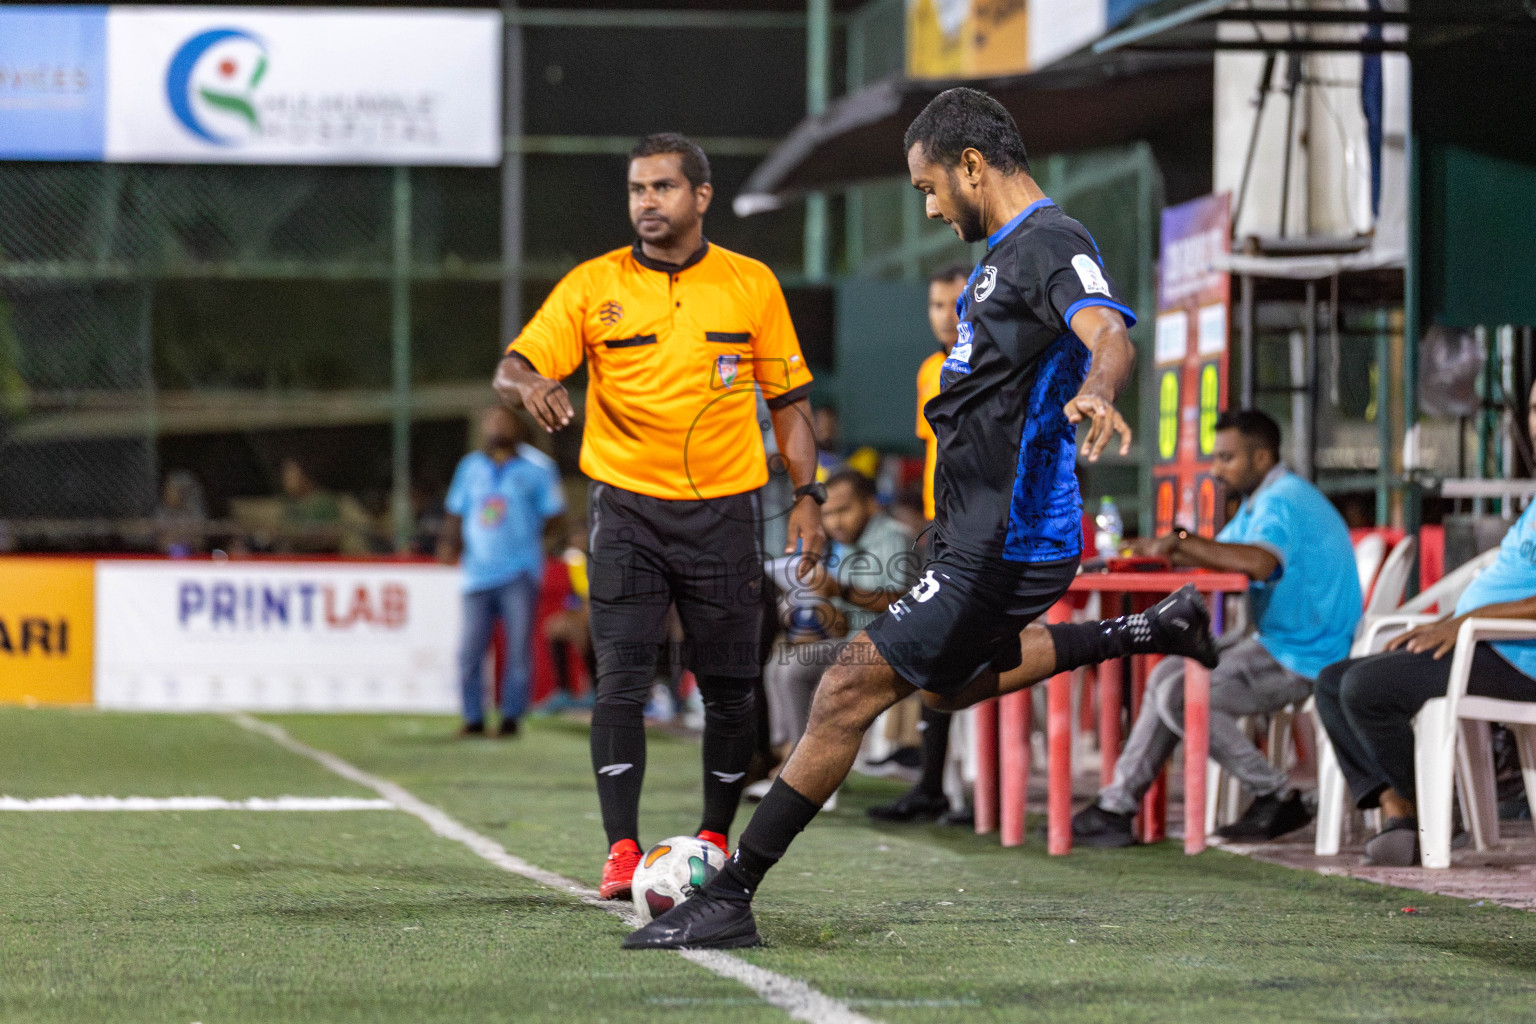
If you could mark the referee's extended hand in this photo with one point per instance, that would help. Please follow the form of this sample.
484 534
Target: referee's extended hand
1104 422
519 384
806 535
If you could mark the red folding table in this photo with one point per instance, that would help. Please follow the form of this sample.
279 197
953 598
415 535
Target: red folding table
1002 725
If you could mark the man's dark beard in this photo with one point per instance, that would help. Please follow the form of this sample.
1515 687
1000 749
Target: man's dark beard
967 220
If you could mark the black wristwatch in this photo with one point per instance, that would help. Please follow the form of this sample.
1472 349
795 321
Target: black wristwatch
816 489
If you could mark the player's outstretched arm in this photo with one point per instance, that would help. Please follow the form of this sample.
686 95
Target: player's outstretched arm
1102 331
519 384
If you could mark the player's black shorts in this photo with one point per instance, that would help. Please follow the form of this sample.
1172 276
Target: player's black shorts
649 553
963 618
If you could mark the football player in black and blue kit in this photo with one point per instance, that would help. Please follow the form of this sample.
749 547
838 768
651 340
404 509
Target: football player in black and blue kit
1042 348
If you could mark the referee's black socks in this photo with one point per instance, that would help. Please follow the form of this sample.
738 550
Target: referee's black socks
781 816
730 739
618 758
1088 643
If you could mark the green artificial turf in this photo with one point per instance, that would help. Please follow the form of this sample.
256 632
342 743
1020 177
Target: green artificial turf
368 916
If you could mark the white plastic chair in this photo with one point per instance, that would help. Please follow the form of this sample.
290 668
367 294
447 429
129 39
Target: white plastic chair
1370 553
1439 760
1372 635
1384 580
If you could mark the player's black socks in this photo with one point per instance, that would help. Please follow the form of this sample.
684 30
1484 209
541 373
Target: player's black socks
1088 643
935 729
730 738
781 816
618 758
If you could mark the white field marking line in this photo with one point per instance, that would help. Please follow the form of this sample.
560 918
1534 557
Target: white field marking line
795 998
77 802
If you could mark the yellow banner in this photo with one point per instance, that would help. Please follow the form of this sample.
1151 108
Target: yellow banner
966 38
47 630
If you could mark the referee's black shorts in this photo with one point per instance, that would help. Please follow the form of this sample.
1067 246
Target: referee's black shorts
649 553
964 617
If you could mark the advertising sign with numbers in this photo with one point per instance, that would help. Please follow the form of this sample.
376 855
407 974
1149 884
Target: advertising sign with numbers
1190 361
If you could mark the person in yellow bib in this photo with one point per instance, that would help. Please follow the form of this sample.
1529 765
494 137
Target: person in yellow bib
678 336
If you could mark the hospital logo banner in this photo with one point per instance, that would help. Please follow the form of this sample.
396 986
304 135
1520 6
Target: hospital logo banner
251 85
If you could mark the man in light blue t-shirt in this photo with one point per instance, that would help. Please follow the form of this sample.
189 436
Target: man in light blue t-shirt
1304 600
501 499
1368 704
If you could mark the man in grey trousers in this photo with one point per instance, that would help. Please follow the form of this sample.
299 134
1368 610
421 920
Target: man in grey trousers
1304 599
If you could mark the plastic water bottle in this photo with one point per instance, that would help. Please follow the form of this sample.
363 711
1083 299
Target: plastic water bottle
1108 529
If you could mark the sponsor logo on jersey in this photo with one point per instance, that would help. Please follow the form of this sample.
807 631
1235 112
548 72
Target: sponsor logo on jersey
610 312
1089 273
985 283
959 358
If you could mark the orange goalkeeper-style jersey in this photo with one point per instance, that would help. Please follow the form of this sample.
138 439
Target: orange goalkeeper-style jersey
672 352
927 387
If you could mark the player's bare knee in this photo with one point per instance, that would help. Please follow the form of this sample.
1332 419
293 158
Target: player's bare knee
843 701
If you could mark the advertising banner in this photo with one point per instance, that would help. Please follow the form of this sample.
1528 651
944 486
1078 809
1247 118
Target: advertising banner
1190 360
53 82
273 85
966 38
250 85
204 636
46 626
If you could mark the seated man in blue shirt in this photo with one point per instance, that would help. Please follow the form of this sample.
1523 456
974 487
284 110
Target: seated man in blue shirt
1305 601
1367 704
501 499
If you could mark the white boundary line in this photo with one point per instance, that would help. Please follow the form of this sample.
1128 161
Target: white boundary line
76 802
795 998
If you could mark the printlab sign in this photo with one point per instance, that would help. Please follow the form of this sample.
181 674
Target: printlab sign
189 636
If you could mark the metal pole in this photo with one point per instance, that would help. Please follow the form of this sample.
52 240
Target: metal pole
1293 81
818 83
512 176
1383 418
1245 338
1311 381
400 338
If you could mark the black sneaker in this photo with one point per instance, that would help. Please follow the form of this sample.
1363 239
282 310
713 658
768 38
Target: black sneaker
1181 625
1396 845
965 817
1269 817
913 805
508 729
700 922
1094 826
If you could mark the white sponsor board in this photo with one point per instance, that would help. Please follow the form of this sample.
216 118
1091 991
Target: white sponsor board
303 86
202 636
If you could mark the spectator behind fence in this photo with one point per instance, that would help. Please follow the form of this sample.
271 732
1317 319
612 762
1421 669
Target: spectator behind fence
1368 704
499 503
871 565
316 520
1304 599
181 515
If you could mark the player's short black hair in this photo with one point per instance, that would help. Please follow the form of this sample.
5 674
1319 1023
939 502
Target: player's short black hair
959 119
950 272
1258 427
695 163
862 485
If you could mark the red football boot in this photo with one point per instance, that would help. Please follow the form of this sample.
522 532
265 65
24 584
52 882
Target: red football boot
619 870
716 838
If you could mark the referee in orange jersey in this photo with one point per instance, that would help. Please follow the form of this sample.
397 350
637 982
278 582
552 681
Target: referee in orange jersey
678 335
